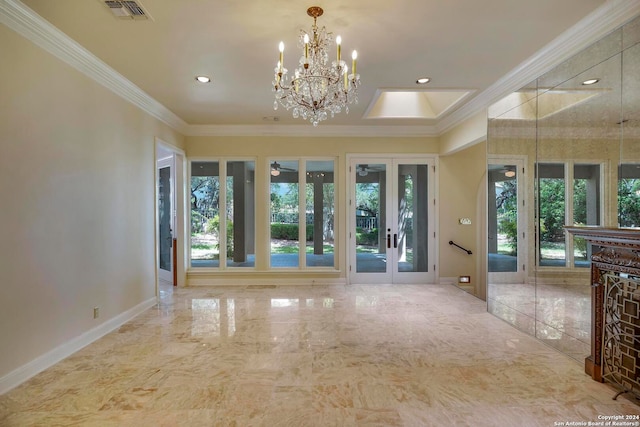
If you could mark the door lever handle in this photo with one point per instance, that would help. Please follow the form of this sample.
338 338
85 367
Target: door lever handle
395 240
388 241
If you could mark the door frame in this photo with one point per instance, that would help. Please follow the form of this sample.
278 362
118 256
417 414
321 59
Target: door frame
161 148
391 277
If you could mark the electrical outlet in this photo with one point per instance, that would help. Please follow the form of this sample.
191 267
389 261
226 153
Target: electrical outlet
464 279
96 312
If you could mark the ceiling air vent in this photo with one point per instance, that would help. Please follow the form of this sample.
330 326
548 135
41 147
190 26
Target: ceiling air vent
126 9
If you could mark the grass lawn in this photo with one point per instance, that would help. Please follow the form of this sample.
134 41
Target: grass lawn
204 246
552 250
291 247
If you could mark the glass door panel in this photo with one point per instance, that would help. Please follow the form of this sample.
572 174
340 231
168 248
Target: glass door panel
506 220
503 218
165 231
370 218
411 239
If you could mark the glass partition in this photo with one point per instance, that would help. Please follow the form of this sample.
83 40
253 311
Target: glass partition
575 130
511 249
629 171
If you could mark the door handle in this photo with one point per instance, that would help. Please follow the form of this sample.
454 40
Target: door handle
395 240
388 241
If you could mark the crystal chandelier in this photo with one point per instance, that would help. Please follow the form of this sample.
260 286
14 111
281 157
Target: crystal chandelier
318 87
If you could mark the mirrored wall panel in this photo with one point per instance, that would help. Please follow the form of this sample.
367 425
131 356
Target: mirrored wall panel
562 150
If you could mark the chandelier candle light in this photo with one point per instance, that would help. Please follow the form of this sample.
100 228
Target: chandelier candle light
318 87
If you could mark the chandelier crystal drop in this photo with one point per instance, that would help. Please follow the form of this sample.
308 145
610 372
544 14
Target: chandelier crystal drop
320 86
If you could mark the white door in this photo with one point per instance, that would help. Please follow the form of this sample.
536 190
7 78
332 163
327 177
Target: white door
392 222
166 218
507 220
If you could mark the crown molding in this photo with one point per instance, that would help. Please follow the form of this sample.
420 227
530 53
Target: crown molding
607 18
611 15
20 18
311 131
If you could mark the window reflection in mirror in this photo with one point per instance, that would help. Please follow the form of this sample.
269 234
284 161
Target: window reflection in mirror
583 142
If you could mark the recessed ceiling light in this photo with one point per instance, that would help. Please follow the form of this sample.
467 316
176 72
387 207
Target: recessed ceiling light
423 80
590 82
203 79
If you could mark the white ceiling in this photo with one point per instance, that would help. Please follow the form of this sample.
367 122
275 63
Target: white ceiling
460 44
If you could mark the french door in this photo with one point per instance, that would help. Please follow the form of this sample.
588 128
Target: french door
392 220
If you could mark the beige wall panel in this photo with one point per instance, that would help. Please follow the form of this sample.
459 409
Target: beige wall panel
469 132
77 192
461 178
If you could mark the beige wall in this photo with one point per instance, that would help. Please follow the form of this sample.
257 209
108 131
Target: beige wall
77 202
466 134
462 180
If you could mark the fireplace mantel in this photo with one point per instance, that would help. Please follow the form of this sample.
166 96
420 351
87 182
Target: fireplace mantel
616 262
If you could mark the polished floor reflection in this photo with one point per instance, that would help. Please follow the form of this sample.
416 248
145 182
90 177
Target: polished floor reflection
314 356
559 315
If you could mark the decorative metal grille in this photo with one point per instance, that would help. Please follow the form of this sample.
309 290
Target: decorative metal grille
621 340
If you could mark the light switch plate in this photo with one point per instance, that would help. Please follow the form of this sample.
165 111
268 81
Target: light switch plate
465 221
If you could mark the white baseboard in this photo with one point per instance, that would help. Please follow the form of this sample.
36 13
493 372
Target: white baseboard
39 364
231 281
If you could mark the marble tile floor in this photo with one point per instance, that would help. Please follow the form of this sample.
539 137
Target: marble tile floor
401 355
559 315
